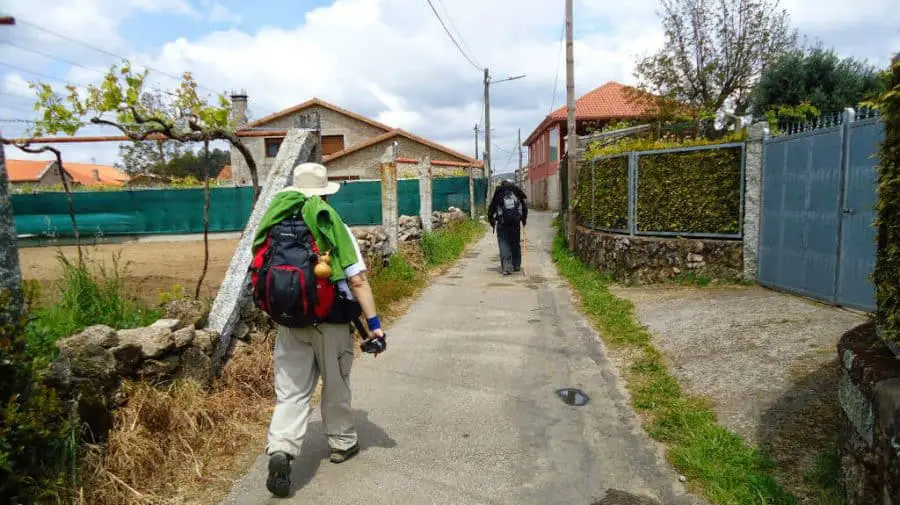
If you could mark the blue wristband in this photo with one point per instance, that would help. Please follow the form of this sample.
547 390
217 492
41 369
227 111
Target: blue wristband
374 323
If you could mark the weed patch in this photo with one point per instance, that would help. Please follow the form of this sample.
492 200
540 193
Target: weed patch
717 462
446 245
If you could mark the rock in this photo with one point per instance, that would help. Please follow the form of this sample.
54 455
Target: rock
188 311
100 335
94 362
206 340
694 258
196 365
159 370
241 331
169 324
238 347
682 478
154 341
128 356
184 336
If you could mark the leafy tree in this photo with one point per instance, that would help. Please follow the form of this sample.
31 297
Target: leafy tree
816 77
191 164
148 157
715 51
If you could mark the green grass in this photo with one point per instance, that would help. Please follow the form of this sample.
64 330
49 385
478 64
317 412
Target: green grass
446 245
826 476
84 298
717 462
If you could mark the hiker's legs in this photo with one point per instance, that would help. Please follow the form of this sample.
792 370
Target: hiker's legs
296 374
515 244
503 240
334 354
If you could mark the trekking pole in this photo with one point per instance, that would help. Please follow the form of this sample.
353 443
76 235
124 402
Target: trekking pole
524 252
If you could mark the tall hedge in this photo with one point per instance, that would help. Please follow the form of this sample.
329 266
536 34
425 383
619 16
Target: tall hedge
887 207
694 191
603 193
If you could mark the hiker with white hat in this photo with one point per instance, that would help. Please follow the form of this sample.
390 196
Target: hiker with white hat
308 274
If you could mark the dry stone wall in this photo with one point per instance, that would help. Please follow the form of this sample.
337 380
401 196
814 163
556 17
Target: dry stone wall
373 241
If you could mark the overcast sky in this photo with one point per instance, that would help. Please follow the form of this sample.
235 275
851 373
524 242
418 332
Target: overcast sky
387 59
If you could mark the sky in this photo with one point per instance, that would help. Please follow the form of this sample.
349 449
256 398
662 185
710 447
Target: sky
390 60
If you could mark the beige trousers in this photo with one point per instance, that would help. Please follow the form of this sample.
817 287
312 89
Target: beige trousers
301 356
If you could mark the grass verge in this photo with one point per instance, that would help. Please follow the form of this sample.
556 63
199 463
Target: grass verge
717 462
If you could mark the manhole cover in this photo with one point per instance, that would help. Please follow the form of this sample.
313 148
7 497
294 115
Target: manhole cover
572 396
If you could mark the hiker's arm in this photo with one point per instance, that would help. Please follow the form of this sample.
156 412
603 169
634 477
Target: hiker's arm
362 291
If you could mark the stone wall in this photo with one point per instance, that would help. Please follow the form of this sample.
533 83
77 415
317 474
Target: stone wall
644 260
373 240
869 436
365 163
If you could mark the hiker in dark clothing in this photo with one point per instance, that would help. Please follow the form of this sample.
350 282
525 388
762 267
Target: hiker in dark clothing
507 212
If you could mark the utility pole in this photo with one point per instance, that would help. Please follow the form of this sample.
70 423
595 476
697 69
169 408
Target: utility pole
572 140
487 127
476 141
519 142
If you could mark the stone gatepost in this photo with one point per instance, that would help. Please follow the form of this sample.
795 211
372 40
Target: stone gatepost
298 147
425 174
389 207
753 164
471 171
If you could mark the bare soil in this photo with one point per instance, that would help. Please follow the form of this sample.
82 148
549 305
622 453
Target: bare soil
151 268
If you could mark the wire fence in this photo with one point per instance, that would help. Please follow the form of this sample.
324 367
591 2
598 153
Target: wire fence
689 192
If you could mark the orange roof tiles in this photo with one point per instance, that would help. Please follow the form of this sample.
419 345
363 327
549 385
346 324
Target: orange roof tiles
26 170
225 174
92 175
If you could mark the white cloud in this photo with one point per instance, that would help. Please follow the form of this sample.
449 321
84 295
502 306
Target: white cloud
392 61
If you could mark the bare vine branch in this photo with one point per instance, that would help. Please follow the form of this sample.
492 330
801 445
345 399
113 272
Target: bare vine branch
205 218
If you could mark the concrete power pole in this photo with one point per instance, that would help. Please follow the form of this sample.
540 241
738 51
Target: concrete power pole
476 142
572 140
487 127
519 142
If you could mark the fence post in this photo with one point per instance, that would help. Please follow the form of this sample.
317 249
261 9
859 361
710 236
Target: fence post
753 166
389 208
425 193
632 192
472 192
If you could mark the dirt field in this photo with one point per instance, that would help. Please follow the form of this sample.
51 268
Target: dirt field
150 267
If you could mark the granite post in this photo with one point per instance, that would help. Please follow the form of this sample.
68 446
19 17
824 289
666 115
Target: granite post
298 147
753 163
389 209
472 192
425 174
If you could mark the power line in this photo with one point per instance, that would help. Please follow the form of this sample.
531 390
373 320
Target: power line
462 40
104 51
562 38
47 55
45 76
453 39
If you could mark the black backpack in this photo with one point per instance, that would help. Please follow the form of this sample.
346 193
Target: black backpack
283 279
510 208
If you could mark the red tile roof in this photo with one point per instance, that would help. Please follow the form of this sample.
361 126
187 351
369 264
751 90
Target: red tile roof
321 103
88 174
225 174
610 101
26 170
472 162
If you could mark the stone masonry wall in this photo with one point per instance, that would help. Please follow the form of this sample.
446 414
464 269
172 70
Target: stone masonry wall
869 429
373 240
365 162
644 260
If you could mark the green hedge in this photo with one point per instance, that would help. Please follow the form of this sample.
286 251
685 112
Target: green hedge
694 191
887 260
603 193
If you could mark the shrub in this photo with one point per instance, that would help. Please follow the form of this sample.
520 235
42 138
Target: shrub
602 199
887 262
35 436
444 246
85 299
695 191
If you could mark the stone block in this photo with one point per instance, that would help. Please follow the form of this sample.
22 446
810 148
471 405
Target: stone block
154 341
169 324
99 335
184 336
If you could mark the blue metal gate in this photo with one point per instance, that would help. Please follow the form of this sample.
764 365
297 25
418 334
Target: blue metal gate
818 194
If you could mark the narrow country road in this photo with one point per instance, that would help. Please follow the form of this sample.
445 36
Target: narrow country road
462 408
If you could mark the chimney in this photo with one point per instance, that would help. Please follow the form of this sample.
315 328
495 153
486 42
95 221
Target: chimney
96 173
239 108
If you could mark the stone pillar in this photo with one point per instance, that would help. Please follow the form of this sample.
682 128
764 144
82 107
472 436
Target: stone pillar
389 208
10 274
425 193
753 163
234 292
472 192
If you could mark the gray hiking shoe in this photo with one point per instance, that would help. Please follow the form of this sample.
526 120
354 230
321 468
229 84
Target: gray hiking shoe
279 481
338 456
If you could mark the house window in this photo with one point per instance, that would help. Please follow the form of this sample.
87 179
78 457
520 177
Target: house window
554 144
272 145
332 144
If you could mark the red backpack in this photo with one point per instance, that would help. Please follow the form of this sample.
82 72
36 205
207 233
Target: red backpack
283 280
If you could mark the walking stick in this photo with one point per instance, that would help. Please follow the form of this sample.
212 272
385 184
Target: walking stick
524 252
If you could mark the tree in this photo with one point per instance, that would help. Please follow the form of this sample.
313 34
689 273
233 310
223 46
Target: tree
148 157
715 51
817 77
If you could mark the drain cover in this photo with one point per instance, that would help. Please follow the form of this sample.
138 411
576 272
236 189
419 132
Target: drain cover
572 396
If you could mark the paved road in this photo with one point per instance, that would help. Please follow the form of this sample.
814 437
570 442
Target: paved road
462 409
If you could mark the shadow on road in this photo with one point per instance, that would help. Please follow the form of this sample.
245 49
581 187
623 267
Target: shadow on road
315 447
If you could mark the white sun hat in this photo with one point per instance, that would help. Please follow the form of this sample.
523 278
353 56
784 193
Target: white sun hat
311 179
